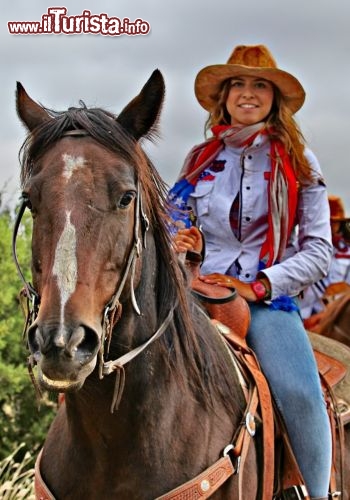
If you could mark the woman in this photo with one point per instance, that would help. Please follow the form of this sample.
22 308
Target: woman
259 197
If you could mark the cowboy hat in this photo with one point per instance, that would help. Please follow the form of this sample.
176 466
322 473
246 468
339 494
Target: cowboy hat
248 60
337 209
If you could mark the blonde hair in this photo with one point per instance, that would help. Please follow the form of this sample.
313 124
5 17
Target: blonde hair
280 123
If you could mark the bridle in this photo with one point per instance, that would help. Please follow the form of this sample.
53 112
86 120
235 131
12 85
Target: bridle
113 309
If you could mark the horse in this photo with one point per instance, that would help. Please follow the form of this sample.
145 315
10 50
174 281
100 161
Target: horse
150 395
334 321
153 405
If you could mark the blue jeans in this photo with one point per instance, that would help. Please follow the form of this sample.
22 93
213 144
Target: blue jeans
283 349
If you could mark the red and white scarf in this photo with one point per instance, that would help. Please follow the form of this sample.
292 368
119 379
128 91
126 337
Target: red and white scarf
282 182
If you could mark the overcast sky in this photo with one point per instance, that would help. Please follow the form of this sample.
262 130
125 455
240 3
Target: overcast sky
309 38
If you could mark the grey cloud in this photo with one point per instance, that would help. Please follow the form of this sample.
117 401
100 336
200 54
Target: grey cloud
309 39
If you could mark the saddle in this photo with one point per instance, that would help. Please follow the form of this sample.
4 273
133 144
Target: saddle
230 314
224 305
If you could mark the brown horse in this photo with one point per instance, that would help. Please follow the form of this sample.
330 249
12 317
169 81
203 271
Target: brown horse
335 320
151 397
113 324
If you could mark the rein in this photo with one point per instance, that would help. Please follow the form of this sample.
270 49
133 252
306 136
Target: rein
113 309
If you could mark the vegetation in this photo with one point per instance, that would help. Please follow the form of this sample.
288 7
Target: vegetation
17 478
21 420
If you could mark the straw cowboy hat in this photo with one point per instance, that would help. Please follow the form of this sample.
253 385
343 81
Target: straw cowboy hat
337 209
248 60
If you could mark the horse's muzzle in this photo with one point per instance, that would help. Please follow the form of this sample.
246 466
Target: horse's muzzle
65 356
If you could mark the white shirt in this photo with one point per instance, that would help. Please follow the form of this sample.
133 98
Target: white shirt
307 257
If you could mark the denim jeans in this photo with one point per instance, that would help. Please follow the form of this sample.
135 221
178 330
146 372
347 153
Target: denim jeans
284 351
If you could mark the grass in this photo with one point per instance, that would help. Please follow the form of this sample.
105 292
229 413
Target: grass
17 478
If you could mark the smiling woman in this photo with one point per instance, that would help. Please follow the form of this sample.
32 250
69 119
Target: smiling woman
249 100
258 195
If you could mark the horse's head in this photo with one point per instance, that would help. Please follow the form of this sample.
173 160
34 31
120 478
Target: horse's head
82 171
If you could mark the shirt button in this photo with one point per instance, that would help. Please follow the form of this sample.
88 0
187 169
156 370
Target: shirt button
247 275
248 187
247 219
250 157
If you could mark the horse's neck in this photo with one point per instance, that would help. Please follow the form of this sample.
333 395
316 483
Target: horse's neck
89 414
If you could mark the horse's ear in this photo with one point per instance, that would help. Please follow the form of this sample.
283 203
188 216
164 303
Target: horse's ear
141 114
30 112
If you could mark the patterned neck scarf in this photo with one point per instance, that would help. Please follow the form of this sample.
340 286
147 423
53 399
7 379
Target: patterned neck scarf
282 184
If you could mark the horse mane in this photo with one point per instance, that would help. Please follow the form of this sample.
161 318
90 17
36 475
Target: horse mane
202 364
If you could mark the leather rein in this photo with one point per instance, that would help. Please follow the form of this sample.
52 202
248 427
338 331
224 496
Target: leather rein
113 309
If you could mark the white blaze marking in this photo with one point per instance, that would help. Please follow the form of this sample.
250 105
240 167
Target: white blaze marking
65 267
71 164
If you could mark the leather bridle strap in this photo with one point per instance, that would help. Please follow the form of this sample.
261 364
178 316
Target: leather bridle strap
248 360
30 291
42 491
118 364
110 366
207 482
131 262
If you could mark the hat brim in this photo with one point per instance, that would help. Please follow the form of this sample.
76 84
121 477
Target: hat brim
210 78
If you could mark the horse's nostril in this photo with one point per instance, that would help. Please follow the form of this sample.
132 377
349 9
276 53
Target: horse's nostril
35 339
82 342
90 341
75 340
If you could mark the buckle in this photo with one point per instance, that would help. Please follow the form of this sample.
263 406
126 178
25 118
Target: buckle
229 451
296 492
250 424
335 494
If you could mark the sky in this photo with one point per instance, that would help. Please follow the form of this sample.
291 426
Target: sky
308 38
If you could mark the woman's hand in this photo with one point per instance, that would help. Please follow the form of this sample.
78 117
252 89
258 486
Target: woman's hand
244 289
188 239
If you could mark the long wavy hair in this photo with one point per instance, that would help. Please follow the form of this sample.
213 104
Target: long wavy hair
280 124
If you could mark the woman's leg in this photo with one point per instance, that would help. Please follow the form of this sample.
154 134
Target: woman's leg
283 349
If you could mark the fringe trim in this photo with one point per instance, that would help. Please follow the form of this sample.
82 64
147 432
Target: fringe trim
283 303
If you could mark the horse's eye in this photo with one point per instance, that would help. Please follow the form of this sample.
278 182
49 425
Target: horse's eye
126 199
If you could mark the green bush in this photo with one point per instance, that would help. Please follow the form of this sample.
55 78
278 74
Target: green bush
20 419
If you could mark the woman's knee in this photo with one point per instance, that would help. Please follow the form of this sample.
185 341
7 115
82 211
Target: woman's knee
301 401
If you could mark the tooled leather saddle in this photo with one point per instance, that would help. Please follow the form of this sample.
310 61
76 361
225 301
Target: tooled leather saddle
230 314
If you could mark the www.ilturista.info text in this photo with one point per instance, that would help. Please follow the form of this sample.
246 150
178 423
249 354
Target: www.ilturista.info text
57 22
